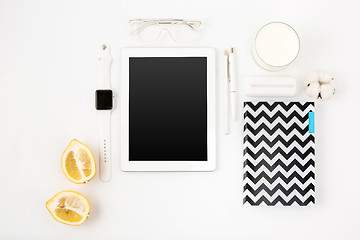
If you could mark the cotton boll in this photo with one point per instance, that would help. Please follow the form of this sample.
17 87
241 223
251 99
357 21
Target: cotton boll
320 85
313 89
326 91
311 77
325 77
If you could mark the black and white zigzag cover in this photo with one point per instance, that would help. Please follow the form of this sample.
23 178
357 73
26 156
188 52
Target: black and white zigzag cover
279 151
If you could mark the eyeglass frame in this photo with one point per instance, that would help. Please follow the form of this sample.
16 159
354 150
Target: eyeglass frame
161 23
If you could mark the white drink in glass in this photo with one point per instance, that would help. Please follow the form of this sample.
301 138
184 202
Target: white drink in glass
276 46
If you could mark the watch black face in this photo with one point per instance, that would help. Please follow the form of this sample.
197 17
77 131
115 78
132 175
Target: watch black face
103 99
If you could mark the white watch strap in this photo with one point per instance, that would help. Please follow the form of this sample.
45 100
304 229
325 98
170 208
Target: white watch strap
105 145
105 115
104 66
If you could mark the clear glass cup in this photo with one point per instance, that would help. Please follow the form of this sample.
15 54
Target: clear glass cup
276 46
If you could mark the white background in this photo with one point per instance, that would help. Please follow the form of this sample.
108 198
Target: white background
48 75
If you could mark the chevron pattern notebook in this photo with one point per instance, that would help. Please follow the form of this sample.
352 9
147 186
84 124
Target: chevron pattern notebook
279 151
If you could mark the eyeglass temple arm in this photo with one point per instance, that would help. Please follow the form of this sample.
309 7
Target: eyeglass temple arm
191 24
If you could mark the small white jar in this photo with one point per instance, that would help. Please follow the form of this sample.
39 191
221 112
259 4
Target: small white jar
276 46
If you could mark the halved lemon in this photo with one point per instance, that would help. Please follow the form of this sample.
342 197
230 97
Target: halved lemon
69 207
78 163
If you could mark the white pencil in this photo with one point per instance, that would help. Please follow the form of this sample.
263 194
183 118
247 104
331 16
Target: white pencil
226 81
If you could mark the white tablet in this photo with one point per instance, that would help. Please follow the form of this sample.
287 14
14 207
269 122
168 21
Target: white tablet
168 109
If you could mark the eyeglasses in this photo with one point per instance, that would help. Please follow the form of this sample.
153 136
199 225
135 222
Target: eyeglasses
149 30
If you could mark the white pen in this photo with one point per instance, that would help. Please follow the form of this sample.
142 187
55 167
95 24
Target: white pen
226 81
233 93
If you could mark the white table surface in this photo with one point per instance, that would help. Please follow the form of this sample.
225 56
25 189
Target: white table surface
48 75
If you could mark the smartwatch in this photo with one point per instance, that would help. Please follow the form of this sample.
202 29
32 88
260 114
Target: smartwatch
104 104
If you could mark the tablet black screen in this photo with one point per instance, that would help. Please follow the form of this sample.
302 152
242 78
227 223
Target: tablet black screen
168 109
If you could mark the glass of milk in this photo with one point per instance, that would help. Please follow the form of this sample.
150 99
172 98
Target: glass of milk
276 46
